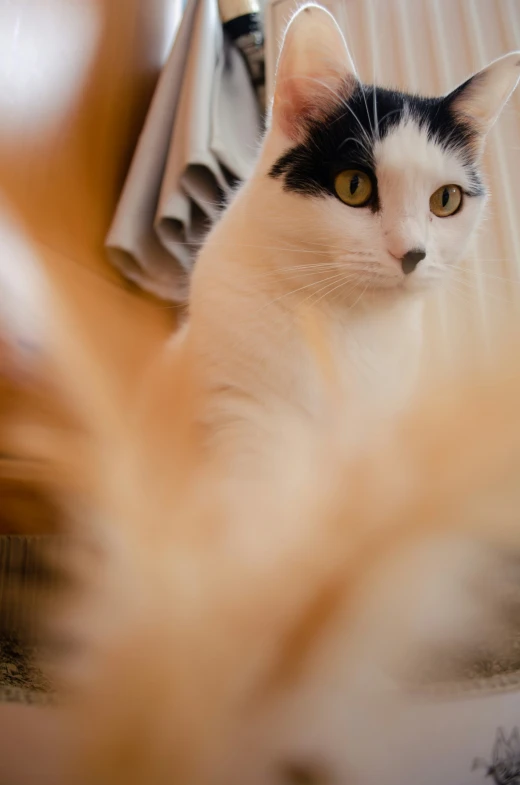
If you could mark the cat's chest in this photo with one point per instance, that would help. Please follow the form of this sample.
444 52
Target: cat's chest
375 356
378 357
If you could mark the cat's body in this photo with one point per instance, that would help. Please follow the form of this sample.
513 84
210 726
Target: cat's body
247 334
294 241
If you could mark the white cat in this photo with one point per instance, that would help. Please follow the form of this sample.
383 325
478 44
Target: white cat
362 199
226 648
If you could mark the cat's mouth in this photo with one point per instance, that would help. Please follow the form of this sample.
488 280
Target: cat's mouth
398 285
389 282
394 279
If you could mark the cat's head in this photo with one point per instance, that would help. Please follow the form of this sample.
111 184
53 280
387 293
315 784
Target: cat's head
384 187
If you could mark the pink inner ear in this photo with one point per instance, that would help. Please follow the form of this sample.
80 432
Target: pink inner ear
301 99
293 106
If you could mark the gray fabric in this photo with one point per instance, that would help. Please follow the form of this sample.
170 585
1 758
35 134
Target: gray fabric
200 135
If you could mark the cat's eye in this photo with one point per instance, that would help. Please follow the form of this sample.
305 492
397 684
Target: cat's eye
446 201
353 187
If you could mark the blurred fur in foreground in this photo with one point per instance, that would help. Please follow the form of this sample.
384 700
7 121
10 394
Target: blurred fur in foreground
213 620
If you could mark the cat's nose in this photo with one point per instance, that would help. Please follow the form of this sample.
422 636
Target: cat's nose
411 259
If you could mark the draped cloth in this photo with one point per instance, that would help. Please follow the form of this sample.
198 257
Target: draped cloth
200 137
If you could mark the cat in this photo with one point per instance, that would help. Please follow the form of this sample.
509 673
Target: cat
234 637
362 200
239 643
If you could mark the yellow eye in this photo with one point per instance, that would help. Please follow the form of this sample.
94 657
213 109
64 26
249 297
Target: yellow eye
446 201
353 187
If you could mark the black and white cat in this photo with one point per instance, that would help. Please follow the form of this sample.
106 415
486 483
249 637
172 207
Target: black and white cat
227 645
363 198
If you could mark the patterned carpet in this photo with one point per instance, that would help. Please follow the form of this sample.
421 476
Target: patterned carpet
20 678
21 578
484 668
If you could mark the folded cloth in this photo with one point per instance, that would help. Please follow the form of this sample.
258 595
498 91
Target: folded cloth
199 138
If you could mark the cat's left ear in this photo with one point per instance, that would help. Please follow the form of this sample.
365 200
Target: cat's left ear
315 71
481 98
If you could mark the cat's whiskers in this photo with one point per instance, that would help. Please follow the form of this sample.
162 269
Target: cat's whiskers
472 288
388 114
314 297
453 288
361 295
477 273
296 267
283 249
357 141
318 287
365 140
363 93
462 267
324 291
325 251
325 247
368 254
343 102
285 273
291 292
376 118
340 285
488 259
352 262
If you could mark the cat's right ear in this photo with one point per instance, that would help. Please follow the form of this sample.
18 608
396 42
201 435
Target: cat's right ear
479 101
315 70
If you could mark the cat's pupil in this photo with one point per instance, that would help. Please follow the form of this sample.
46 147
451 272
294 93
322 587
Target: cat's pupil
354 184
445 197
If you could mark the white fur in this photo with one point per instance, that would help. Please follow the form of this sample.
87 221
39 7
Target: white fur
410 168
274 251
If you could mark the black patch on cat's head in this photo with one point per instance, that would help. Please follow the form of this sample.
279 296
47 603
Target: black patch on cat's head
345 138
